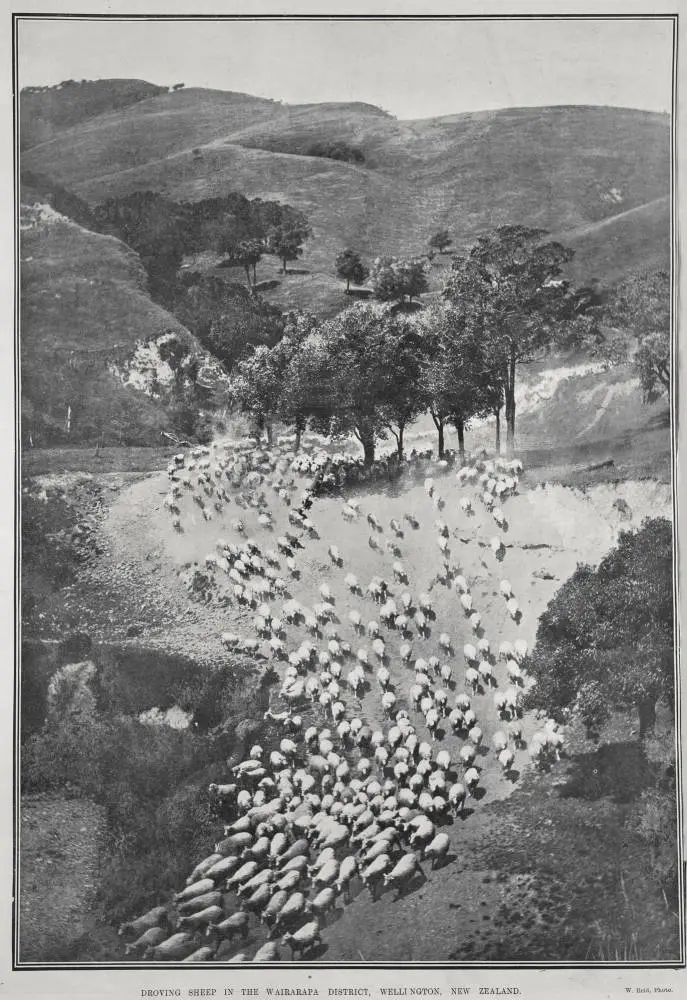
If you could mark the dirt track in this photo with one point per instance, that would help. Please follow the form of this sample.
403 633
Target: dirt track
550 530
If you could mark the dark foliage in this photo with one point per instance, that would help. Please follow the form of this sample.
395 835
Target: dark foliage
336 151
40 188
606 638
225 318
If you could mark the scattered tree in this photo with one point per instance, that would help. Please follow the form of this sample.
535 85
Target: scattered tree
285 241
247 253
606 638
393 278
350 268
440 242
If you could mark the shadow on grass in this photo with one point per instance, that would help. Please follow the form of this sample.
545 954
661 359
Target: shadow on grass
619 771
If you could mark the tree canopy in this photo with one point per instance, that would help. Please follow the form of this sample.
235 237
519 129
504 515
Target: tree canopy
641 306
459 377
440 241
393 278
286 240
350 268
606 638
510 283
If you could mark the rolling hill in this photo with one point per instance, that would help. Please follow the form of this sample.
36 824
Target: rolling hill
85 309
596 177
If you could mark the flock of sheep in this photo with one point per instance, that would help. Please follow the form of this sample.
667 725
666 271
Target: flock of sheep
357 798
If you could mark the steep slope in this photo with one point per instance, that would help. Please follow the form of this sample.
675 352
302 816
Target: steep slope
84 311
561 168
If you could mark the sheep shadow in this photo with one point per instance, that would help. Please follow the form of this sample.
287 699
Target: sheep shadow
478 793
333 917
416 882
316 952
444 862
512 775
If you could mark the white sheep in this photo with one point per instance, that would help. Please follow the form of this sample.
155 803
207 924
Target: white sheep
506 650
470 653
388 701
466 601
520 649
475 620
506 589
425 602
445 641
472 678
513 609
355 619
496 545
485 672
351 582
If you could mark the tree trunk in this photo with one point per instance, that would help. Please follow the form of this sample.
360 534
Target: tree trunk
399 440
497 445
255 280
460 427
510 407
439 424
247 270
368 443
647 717
297 444
348 285
269 430
284 262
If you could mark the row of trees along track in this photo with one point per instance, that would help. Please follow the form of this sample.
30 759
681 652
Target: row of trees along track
374 367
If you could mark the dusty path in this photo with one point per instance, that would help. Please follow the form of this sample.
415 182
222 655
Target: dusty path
550 530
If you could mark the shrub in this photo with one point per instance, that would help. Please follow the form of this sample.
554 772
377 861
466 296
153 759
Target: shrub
336 151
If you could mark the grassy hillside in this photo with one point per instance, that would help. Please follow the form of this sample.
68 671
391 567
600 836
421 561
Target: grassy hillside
45 111
85 306
566 169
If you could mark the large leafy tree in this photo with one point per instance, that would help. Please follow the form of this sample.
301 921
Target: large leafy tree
510 283
459 377
286 240
350 268
256 385
606 638
247 253
403 395
641 306
369 374
394 278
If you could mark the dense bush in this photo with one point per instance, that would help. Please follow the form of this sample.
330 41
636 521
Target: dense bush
152 780
606 638
336 151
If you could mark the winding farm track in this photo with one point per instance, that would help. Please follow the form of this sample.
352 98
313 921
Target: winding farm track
550 530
